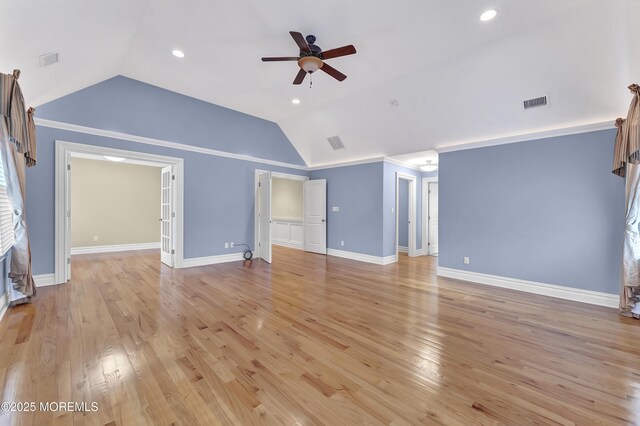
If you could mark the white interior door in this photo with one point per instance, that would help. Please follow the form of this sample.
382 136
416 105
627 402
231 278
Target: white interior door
433 217
264 216
315 216
166 216
67 227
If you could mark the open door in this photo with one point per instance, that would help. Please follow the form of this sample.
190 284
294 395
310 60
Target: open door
433 218
264 216
166 217
315 216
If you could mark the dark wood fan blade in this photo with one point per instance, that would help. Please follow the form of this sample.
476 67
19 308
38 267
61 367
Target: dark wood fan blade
300 77
300 41
280 58
333 72
340 51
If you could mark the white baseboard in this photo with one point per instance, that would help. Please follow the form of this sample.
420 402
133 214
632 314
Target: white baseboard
211 260
288 244
378 260
114 248
421 252
552 290
403 249
44 280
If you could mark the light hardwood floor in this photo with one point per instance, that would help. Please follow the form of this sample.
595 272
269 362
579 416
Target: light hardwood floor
312 340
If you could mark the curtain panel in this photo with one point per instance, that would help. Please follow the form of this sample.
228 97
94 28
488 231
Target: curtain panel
626 163
18 147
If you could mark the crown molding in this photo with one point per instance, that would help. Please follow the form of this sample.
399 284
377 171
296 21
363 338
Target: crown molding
159 142
523 137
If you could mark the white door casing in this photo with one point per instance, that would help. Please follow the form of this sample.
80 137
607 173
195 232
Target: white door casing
62 234
67 218
315 216
166 216
412 212
264 216
433 218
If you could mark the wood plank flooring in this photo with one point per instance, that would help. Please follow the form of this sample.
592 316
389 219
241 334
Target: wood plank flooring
311 340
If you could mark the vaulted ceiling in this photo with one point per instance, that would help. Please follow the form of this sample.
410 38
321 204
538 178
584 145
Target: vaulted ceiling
452 78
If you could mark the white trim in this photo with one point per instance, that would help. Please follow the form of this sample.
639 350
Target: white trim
158 142
402 249
425 214
412 213
211 260
114 248
44 280
63 153
347 163
298 246
523 137
289 176
420 252
4 303
378 260
551 290
402 163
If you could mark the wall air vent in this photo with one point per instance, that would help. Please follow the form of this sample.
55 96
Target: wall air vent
49 59
535 103
335 142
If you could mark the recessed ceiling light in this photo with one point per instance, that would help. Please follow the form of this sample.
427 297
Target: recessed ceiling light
295 101
116 159
488 15
178 53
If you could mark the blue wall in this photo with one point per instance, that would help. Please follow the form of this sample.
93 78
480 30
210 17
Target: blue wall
403 213
357 190
130 106
219 192
547 210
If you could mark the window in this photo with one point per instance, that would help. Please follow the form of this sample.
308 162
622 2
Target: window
7 233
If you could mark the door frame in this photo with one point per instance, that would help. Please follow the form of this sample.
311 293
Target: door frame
412 213
256 221
64 151
425 213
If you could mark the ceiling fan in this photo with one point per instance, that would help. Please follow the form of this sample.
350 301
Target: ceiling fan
311 58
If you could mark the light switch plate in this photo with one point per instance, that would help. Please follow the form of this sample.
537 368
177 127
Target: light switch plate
335 209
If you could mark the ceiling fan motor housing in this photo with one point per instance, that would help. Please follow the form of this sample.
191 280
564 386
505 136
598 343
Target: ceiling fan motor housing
314 49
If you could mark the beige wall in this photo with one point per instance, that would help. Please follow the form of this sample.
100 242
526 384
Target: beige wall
119 203
286 198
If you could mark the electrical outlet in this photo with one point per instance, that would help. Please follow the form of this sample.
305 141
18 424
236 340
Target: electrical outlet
95 238
232 244
341 243
226 245
465 260
335 209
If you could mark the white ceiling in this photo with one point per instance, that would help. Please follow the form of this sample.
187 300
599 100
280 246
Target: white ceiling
455 78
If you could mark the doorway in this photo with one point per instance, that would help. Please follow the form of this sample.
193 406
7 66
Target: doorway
406 205
430 215
307 230
171 188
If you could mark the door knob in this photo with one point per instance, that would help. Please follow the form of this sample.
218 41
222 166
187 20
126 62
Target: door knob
323 220
160 220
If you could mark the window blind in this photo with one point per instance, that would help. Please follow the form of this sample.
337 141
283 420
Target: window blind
7 235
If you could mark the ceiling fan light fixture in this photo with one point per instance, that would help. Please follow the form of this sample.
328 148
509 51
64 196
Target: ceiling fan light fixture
310 64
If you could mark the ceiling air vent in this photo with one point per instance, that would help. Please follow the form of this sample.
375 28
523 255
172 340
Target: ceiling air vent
49 59
335 142
535 103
